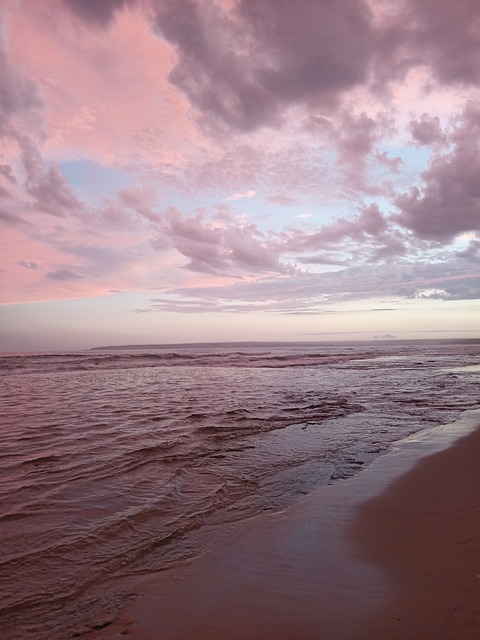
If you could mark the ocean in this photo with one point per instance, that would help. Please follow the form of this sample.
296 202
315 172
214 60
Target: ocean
113 461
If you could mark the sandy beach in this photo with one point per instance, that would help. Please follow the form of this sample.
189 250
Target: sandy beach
424 531
391 553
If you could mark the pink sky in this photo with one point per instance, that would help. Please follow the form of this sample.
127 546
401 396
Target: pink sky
186 170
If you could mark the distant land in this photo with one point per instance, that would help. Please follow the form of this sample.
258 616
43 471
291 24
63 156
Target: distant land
318 343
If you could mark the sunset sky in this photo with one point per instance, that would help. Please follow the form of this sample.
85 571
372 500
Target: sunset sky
222 170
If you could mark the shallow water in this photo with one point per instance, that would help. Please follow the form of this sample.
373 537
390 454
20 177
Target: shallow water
111 460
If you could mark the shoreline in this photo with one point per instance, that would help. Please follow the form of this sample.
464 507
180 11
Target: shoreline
365 558
424 532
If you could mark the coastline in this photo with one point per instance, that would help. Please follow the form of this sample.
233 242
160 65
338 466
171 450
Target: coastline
392 552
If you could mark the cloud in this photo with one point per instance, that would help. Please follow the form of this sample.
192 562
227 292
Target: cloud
221 245
452 291
320 258
472 252
242 68
243 64
437 36
245 194
53 195
29 264
294 165
355 138
13 219
30 156
97 259
98 14
6 171
448 203
19 95
65 275
368 236
446 36
140 201
282 199
392 164
427 130
44 190
309 293
365 100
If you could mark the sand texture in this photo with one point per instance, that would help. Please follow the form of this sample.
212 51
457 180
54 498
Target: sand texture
392 553
424 531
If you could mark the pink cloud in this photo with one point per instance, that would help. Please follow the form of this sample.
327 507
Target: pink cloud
65 275
449 201
446 36
109 101
392 164
11 218
220 246
19 94
427 130
97 13
355 137
309 101
53 195
140 201
245 194
293 58
310 293
29 264
282 199
246 91
6 172
368 226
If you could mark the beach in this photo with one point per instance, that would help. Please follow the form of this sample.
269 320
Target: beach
391 553
424 531
219 493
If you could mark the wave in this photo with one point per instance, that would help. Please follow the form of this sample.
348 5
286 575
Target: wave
112 463
85 361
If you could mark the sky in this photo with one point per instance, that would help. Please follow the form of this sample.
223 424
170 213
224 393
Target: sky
228 170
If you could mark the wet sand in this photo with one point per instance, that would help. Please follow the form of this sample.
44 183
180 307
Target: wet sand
424 531
392 553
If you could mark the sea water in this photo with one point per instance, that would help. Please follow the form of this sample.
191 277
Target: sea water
112 461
